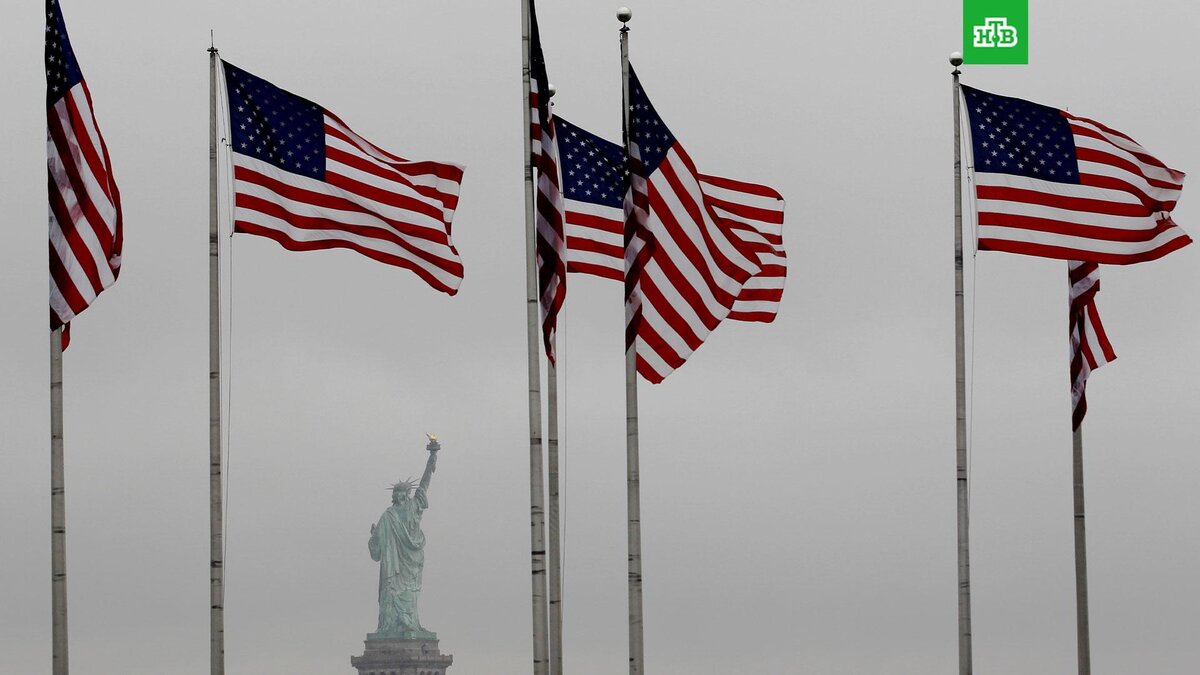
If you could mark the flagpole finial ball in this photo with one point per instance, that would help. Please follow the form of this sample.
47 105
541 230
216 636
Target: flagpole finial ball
956 59
624 14
552 90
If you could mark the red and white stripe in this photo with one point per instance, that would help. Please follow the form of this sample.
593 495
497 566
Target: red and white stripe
755 213
595 239
551 245
388 208
85 208
637 247
1090 347
1119 213
704 251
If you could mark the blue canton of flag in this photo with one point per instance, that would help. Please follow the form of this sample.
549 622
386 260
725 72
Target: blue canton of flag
593 168
62 70
274 125
649 132
1010 135
593 172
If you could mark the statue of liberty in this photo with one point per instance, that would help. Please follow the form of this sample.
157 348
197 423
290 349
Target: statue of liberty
398 543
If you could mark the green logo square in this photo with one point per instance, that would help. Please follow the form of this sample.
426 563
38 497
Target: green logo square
995 31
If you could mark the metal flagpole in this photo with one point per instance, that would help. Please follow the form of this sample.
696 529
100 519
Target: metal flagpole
633 480
537 534
554 521
216 554
960 392
1081 593
552 515
58 517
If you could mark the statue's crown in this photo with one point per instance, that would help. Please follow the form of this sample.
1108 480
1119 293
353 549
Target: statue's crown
405 486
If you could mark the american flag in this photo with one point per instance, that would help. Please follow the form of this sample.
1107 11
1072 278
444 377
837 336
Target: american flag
304 179
548 211
1051 184
85 206
593 172
722 218
1090 347
594 181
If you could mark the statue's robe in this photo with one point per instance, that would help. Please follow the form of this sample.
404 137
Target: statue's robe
399 545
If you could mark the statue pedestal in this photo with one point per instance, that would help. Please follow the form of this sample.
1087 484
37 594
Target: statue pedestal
402 655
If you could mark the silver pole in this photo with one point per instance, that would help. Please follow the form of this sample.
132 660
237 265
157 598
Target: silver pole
1081 592
216 565
555 535
960 392
537 513
633 480
58 516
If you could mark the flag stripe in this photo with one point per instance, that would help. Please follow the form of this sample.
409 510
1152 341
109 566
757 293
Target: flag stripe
89 220
418 173
595 269
1100 160
427 199
1087 207
361 225
745 212
269 213
741 190
599 252
305 197
1116 139
79 265
68 279
670 316
652 363
678 164
308 233
1055 246
1106 229
73 130
673 258
595 239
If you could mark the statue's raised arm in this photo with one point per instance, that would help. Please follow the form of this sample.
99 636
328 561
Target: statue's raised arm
431 464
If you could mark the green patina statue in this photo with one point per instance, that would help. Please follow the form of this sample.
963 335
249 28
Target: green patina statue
398 543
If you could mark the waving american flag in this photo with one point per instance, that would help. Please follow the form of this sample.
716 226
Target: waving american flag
85 206
1051 184
717 244
548 211
306 180
1090 347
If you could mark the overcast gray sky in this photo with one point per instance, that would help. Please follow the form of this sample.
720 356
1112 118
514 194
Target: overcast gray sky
798 478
